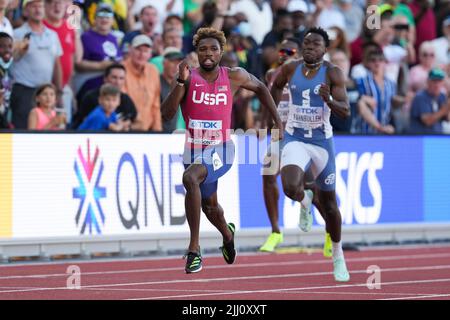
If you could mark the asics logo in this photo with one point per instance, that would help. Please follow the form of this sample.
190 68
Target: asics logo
330 179
209 98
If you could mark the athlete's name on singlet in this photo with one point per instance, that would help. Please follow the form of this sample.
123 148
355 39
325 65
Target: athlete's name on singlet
306 116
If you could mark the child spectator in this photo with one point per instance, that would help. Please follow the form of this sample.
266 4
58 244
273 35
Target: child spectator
44 115
104 116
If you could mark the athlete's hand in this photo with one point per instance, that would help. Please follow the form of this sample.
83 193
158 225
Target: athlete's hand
183 70
277 133
324 92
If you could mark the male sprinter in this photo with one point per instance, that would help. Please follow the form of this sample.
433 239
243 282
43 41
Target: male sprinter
206 98
289 50
317 89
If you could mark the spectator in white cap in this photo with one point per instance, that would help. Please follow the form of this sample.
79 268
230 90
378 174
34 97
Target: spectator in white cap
142 83
299 10
36 61
5 25
327 15
441 45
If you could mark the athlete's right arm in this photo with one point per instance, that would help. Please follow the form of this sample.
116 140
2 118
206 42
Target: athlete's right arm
281 79
178 90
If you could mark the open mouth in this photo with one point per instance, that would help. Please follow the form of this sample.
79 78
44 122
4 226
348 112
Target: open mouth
208 62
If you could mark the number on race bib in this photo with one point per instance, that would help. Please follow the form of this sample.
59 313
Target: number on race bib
308 133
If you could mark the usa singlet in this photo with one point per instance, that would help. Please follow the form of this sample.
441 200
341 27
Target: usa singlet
207 110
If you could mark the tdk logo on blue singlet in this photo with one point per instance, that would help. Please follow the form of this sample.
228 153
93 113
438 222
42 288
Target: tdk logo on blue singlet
310 111
204 124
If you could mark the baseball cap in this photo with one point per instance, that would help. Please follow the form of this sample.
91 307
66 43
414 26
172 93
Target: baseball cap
25 2
436 74
446 21
172 53
141 40
104 10
297 5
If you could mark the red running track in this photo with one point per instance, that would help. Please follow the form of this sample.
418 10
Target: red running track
406 273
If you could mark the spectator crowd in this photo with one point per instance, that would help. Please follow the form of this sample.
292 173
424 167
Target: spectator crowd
108 64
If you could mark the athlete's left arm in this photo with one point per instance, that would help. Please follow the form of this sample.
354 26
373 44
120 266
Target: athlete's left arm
241 78
335 93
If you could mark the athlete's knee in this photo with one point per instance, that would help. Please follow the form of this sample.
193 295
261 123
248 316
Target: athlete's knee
330 209
292 190
209 209
190 180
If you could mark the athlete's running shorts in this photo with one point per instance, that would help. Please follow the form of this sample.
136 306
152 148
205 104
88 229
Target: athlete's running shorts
318 158
217 159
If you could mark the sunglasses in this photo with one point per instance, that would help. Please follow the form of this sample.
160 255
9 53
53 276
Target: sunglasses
287 52
427 54
105 14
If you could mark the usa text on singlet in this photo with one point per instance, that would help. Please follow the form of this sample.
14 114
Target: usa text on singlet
207 110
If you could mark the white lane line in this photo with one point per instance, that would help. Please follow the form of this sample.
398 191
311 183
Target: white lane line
244 254
241 278
282 290
293 292
243 265
419 297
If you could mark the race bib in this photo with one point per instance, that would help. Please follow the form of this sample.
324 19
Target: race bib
205 132
305 117
217 162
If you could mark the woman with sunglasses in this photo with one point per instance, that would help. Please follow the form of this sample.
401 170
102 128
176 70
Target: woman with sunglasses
419 73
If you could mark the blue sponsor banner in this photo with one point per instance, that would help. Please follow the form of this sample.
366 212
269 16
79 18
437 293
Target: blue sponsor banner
379 179
437 179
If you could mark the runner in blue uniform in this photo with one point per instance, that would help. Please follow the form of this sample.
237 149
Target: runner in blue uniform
317 89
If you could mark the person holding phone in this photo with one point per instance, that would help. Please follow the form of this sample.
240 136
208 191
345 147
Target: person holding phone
36 61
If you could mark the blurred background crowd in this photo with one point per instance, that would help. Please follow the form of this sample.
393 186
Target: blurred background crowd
60 60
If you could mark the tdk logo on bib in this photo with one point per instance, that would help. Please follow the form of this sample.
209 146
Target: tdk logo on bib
209 98
204 124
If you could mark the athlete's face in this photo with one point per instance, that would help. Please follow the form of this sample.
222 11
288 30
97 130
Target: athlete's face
288 50
209 53
313 48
